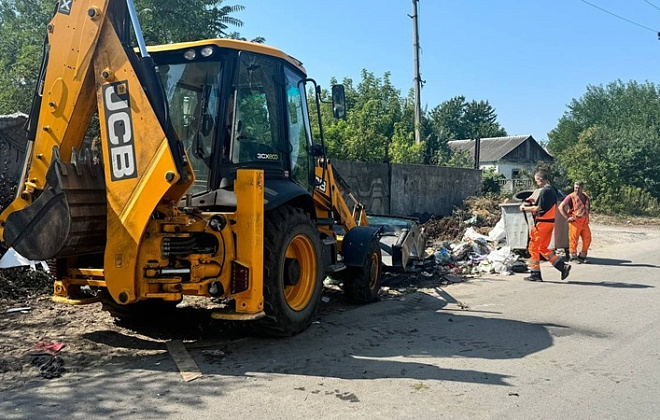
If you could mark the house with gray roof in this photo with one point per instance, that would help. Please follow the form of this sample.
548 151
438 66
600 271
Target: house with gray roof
509 156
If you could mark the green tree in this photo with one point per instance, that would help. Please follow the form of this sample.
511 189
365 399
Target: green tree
22 32
403 148
374 110
460 159
237 36
615 106
457 119
168 21
489 181
380 125
610 137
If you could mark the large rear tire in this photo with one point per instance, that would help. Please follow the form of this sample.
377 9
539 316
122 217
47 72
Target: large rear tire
362 284
293 272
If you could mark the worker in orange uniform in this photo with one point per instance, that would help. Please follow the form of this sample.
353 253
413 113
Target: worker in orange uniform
575 208
543 209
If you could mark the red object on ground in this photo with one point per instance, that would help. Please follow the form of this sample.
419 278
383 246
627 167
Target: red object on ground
47 347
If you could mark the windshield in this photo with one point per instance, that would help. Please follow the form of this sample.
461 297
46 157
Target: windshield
193 90
257 134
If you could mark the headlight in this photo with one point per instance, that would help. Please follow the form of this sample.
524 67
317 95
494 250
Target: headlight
190 55
207 51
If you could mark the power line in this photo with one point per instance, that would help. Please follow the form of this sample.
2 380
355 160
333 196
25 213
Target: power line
647 1
620 17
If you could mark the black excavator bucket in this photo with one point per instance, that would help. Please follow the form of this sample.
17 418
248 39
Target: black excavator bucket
68 218
402 241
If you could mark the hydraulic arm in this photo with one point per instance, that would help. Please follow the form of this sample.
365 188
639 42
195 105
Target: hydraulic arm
123 203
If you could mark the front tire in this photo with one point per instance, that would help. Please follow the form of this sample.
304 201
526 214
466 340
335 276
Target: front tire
362 284
293 272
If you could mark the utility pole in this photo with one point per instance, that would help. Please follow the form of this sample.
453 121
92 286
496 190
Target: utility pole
418 78
477 152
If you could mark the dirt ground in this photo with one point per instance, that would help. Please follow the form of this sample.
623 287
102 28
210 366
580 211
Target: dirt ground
92 337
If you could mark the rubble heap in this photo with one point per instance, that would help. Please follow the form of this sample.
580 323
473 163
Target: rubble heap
472 240
482 213
20 283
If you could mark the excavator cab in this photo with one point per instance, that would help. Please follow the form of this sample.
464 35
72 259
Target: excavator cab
235 105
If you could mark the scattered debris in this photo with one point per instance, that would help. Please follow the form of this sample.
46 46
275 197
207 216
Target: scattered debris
24 282
214 353
43 355
482 213
11 258
46 347
50 366
187 366
24 310
472 241
453 278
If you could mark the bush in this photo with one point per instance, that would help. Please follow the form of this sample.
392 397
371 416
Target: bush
489 182
628 200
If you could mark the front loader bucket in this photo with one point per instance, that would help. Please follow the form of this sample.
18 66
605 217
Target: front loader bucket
401 241
68 218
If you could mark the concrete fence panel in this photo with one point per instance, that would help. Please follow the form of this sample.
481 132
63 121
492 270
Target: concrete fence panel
419 189
404 190
370 183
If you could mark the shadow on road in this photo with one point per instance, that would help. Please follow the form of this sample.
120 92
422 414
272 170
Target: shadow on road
409 337
614 284
383 340
614 261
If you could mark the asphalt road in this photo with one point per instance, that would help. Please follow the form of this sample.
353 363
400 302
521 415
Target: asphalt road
499 348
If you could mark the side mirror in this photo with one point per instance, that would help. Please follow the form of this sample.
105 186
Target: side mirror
338 102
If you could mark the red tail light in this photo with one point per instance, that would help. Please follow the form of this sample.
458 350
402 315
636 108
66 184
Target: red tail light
240 278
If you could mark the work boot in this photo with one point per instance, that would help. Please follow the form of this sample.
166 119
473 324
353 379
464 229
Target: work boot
582 260
565 270
535 276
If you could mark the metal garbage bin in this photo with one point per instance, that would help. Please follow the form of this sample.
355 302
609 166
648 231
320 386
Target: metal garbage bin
560 235
517 226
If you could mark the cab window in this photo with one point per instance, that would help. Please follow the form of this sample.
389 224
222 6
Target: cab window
298 128
256 134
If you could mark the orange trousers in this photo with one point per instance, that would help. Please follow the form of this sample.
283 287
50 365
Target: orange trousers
539 240
577 230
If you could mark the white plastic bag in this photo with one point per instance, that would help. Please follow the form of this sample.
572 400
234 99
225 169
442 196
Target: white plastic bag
473 235
14 259
502 259
497 233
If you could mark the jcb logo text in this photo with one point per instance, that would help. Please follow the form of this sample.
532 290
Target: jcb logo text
119 127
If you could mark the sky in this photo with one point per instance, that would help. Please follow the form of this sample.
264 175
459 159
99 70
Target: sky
528 58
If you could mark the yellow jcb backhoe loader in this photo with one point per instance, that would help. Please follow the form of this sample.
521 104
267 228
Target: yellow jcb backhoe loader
206 181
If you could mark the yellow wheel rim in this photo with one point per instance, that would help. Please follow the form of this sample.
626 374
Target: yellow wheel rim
373 273
299 295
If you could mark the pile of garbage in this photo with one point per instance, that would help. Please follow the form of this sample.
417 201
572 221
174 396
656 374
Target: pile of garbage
477 254
472 241
481 213
18 283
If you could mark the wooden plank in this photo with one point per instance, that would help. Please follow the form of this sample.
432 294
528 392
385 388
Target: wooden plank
187 366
